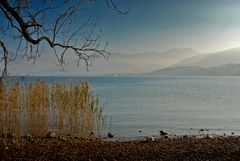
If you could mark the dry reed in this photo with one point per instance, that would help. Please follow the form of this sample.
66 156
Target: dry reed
38 108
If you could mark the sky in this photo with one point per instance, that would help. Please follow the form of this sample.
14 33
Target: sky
157 25
151 26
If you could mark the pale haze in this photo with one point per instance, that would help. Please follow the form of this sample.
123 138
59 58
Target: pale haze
156 34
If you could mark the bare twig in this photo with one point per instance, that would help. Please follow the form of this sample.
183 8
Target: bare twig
33 29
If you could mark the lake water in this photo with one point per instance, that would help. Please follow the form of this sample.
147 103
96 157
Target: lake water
180 105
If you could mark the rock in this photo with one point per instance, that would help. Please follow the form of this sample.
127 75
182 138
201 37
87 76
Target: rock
29 138
62 138
207 136
162 132
140 131
202 130
152 138
110 135
76 137
166 136
232 133
148 139
185 137
51 135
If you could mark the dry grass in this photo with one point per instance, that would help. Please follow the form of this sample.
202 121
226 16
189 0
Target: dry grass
37 108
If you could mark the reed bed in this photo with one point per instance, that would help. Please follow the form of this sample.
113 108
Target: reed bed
38 108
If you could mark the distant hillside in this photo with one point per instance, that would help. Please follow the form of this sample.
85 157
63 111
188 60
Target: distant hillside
118 63
143 62
225 70
231 56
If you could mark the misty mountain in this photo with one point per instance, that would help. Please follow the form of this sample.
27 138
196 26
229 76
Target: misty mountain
231 56
117 63
225 70
141 62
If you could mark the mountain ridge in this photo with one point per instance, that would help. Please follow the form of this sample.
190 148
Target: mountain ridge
212 59
129 63
224 70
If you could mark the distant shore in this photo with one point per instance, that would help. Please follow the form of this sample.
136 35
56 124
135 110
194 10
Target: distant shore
179 148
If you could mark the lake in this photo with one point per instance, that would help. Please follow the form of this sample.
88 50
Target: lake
179 105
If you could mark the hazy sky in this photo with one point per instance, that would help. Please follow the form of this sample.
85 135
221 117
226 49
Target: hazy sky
152 26
157 25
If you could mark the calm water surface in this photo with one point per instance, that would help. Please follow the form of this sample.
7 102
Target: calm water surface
180 105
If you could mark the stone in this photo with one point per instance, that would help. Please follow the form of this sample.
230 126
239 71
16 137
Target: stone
29 138
51 135
185 137
202 130
152 138
110 135
148 139
162 132
63 138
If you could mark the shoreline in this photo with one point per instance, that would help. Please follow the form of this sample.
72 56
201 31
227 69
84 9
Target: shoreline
199 133
70 148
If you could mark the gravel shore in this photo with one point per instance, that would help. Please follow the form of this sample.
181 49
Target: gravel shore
187 148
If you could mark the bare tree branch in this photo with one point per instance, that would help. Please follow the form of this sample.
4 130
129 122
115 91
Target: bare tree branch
111 4
5 59
28 23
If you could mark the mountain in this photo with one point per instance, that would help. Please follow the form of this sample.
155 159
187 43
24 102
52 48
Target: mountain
117 63
231 56
142 62
225 70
